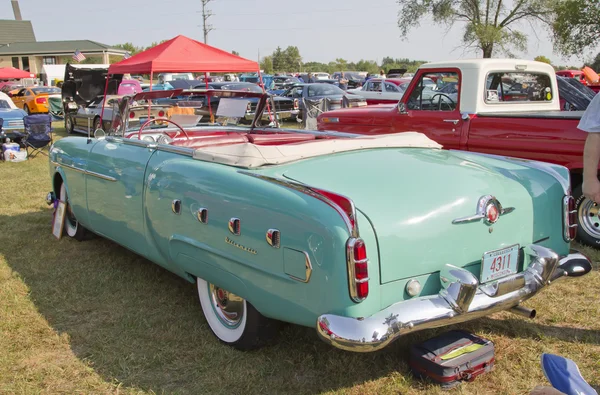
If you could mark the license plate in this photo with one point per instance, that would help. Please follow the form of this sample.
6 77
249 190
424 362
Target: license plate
499 263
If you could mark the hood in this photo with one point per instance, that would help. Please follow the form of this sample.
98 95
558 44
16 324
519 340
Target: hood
83 85
411 196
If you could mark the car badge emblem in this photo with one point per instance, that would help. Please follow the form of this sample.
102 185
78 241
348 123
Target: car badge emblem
488 209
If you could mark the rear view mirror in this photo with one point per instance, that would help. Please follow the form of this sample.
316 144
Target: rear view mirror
402 108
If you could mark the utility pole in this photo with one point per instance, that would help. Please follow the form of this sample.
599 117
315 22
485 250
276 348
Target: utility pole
205 15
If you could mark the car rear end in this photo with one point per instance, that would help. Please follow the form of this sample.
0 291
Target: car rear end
438 237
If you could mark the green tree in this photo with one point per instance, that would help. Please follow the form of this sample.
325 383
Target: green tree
595 64
369 66
236 53
341 64
488 24
129 47
293 59
543 59
576 26
267 64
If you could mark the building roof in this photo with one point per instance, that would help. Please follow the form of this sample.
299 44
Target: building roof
57 47
12 31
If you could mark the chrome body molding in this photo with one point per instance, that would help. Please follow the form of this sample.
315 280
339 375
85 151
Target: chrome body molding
353 229
241 247
461 298
309 269
481 212
86 172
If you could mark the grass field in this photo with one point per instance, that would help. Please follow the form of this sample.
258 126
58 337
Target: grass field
92 317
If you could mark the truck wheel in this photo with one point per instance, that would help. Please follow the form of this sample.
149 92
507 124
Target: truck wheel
588 219
72 227
233 320
69 124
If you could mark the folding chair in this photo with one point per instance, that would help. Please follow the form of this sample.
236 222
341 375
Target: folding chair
312 109
38 133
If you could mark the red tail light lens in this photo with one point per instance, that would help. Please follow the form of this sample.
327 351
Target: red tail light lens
41 100
131 115
161 114
358 269
296 104
570 218
346 205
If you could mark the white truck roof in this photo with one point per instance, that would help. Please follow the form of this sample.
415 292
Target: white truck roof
473 84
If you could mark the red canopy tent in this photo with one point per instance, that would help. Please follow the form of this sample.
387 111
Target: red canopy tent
182 54
8 73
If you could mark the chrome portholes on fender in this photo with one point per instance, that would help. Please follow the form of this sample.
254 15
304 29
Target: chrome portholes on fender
235 226
202 215
232 319
273 238
176 206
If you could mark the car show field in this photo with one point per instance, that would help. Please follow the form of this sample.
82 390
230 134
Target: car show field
94 317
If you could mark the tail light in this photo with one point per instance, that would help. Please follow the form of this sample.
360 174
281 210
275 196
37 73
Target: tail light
570 218
41 100
358 269
161 113
249 107
296 104
131 115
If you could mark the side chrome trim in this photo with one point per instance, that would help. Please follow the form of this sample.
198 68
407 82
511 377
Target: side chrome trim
309 270
482 204
86 172
309 191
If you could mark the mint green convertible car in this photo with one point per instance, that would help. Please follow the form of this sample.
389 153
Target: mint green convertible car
364 238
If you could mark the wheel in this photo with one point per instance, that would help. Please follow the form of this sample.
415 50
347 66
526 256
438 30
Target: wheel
26 108
72 227
233 320
97 124
69 124
588 219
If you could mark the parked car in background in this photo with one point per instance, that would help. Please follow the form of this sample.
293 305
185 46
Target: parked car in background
293 226
355 80
575 74
396 73
7 86
129 87
175 76
381 91
574 96
317 91
322 76
34 99
12 117
284 82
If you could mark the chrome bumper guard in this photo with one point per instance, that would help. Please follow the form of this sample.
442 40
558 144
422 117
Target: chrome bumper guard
461 299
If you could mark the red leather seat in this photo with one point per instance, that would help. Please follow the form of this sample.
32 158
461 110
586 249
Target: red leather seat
213 141
279 139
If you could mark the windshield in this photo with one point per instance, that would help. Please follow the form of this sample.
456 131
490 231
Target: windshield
242 87
37 91
324 90
4 104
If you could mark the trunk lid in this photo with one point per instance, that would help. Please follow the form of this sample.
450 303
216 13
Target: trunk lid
411 196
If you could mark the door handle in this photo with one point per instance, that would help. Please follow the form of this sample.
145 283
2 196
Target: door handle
454 121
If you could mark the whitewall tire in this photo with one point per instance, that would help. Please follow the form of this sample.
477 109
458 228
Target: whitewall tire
232 319
72 227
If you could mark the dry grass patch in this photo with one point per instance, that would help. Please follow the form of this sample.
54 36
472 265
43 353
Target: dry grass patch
92 317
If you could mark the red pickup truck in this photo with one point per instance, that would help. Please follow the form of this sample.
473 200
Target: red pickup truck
505 107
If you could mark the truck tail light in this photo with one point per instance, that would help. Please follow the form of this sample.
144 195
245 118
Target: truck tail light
569 218
131 115
296 104
41 100
358 269
161 113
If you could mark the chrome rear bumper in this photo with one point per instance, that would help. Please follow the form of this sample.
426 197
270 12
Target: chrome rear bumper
461 299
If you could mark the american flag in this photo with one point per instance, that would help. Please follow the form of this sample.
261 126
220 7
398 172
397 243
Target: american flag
127 55
78 56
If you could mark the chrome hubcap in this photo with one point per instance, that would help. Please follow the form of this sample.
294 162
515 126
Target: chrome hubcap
228 307
588 218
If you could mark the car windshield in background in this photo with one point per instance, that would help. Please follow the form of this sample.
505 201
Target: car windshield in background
324 90
518 86
242 87
37 91
4 104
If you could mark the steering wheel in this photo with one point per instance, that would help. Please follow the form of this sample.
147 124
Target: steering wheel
148 122
440 102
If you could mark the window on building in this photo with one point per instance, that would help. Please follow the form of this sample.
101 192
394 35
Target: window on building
49 60
25 60
15 62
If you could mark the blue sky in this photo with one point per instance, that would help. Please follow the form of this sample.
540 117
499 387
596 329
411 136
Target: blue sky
322 30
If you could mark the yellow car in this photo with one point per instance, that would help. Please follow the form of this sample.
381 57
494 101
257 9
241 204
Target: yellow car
34 99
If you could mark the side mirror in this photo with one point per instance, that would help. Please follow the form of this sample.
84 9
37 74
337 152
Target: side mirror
402 108
99 134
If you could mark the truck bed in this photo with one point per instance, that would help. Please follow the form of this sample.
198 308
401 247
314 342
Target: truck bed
535 114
